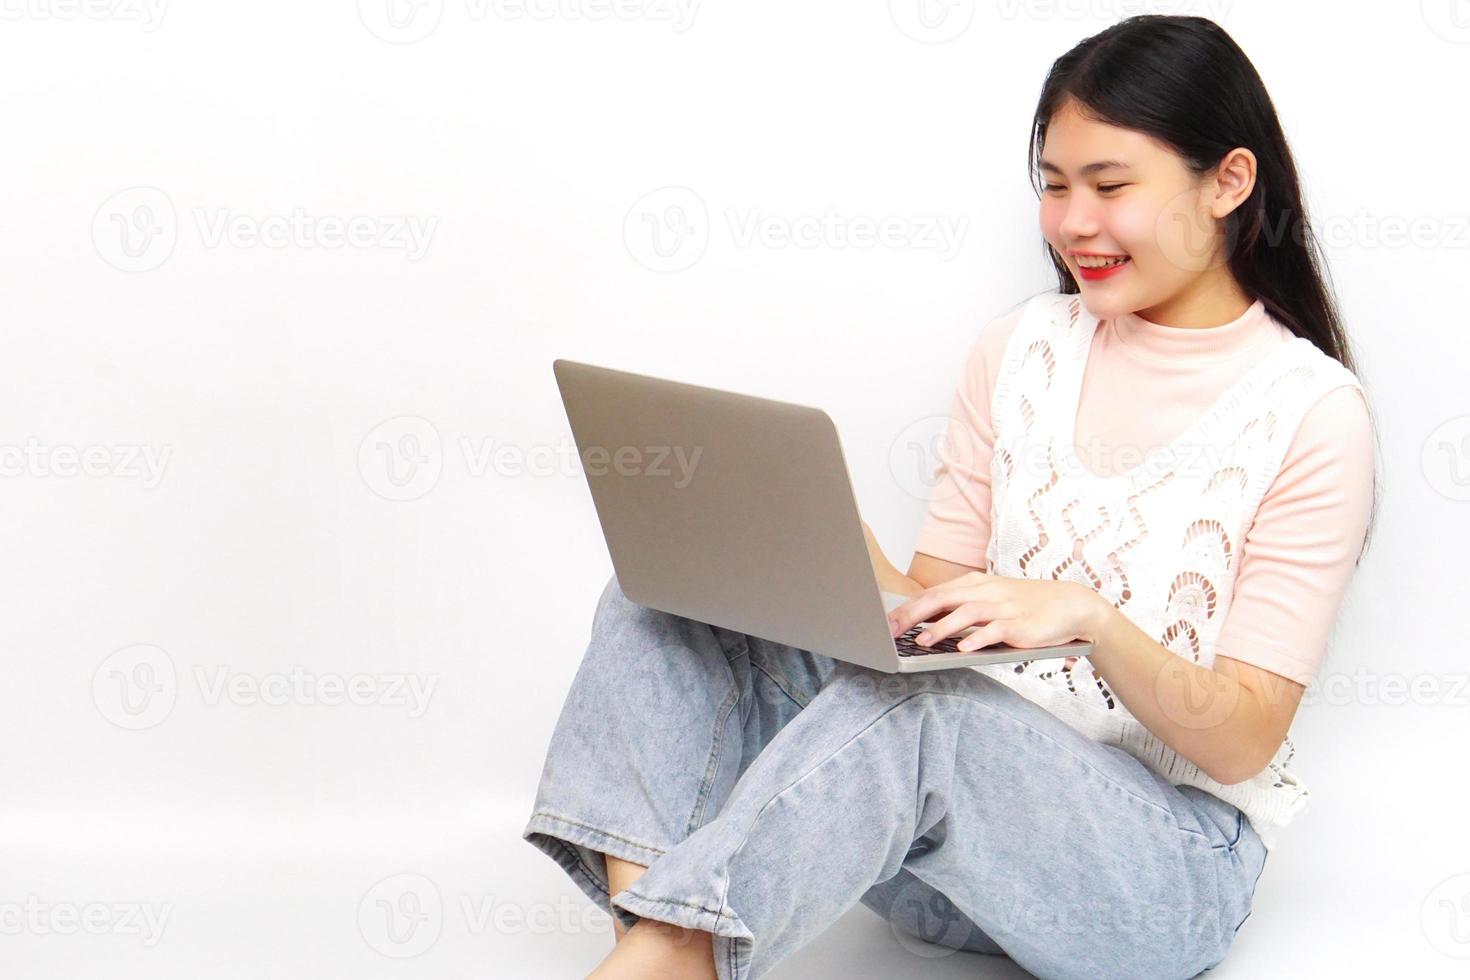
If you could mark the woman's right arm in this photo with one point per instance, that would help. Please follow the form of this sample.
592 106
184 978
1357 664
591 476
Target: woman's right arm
925 571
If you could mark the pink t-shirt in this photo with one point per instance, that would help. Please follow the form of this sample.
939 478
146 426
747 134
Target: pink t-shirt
1144 384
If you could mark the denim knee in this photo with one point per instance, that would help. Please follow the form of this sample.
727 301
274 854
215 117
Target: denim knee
613 601
885 689
924 920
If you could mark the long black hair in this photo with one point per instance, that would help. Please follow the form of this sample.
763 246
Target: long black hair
1186 83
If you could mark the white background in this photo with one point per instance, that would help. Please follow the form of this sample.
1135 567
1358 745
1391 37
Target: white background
148 148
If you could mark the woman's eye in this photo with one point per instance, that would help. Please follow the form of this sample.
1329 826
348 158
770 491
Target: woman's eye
1110 187
1052 187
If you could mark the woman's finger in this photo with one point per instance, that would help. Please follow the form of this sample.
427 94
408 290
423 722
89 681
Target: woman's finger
941 598
983 636
965 614
923 608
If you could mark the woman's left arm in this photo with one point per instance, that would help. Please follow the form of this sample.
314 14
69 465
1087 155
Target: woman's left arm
1229 721
1294 568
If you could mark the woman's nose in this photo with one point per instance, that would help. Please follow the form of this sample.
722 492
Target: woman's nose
1079 221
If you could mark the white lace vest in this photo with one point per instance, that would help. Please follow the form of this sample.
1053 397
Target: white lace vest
1160 542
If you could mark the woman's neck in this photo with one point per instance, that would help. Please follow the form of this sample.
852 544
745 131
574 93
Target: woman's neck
1209 301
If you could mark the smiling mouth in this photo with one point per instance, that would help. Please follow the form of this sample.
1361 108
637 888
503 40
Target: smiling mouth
1098 262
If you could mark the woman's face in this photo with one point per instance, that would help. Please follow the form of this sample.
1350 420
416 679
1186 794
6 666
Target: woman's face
1143 205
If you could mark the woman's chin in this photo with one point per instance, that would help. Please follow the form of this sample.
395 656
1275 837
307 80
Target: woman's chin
1102 303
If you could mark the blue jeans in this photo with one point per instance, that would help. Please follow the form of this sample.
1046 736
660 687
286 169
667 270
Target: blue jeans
768 790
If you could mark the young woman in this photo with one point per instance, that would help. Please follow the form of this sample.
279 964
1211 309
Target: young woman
1169 456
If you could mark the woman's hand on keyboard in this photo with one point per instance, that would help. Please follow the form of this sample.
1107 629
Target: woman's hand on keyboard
1020 612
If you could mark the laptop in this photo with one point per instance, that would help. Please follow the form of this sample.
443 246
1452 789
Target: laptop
738 511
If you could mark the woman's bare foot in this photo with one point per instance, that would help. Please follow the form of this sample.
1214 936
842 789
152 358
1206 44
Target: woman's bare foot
654 950
620 874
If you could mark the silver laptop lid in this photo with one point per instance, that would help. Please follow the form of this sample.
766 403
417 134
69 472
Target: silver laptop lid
729 509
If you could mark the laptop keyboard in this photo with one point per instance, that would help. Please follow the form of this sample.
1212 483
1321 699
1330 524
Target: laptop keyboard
908 648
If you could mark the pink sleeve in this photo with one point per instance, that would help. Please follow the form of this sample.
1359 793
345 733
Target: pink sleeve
1300 549
956 526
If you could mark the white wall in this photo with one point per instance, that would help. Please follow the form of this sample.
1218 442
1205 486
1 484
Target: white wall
520 151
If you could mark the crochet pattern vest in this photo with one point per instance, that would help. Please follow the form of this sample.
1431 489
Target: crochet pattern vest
1160 541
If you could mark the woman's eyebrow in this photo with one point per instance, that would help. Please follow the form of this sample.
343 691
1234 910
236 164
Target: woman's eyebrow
1090 168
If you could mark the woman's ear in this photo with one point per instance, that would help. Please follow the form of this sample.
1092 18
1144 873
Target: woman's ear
1235 178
